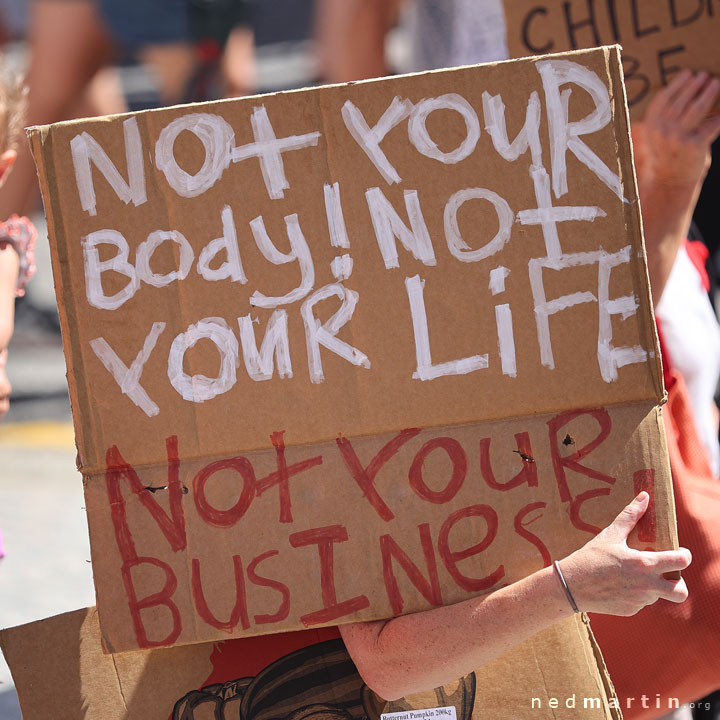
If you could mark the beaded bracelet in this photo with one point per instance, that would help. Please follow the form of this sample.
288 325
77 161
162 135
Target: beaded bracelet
20 233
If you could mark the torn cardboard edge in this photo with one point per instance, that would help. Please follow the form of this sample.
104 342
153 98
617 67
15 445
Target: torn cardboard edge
608 687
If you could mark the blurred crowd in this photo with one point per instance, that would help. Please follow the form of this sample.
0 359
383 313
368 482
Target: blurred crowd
204 49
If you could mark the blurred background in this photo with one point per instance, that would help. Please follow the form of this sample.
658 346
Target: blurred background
98 57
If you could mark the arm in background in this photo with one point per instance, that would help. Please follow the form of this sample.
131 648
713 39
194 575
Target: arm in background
672 157
350 36
9 268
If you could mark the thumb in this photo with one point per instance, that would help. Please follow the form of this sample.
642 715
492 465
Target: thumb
628 518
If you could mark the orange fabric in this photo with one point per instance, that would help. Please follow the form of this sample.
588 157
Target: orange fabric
669 650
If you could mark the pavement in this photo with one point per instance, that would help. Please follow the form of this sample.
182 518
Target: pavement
47 569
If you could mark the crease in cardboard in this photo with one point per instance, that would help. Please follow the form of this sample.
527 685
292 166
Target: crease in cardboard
119 682
541 671
91 474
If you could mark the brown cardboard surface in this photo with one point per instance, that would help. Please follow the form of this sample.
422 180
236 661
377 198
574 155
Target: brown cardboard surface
460 307
60 671
350 548
659 37
459 304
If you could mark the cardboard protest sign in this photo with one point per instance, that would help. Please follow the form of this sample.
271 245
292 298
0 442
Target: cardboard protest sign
61 672
341 354
659 37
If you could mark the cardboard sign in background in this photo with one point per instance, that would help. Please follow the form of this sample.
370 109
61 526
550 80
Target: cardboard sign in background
659 37
61 672
331 352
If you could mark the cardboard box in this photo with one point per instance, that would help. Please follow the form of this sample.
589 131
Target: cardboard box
349 352
659 37
60 672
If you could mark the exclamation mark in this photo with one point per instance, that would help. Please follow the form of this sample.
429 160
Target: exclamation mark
342 265
647 526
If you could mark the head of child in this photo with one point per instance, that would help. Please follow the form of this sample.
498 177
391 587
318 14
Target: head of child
13 94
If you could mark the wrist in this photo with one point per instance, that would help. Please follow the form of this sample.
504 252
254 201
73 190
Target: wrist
548 596
562 580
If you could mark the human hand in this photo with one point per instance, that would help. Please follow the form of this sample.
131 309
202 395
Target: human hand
5 387
672 143
606 576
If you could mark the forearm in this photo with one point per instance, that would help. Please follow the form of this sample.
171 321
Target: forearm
9 266
667 214
672 157
351 38
416 652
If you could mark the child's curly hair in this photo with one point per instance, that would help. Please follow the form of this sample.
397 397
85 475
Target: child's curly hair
13 101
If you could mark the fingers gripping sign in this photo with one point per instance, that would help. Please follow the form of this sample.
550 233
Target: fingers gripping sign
606 576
